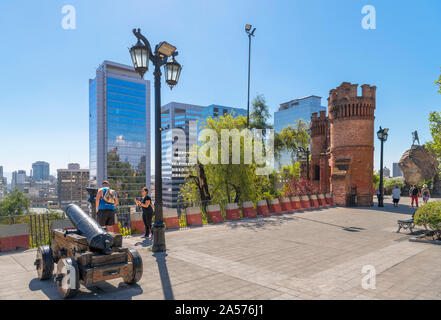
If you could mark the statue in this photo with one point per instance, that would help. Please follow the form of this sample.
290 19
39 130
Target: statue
415 138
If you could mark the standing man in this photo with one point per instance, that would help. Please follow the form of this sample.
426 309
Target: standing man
414 193
396 192
147 211
106 201
426 193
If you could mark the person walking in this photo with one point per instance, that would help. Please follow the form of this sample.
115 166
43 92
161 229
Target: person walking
414 193
106 201
425 191
147 211
396 193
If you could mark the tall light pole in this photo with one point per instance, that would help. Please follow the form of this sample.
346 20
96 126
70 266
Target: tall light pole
382 136
141 53
250 35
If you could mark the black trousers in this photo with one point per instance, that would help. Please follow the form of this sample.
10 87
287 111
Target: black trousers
147 218
106 217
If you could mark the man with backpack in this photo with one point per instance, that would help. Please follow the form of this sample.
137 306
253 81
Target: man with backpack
106 200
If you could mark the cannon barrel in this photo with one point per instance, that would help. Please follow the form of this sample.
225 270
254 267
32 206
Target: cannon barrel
98 239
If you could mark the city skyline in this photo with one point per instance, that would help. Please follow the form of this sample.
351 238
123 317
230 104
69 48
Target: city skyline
388 57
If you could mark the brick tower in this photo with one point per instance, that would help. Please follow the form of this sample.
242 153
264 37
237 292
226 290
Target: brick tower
351 124
319 169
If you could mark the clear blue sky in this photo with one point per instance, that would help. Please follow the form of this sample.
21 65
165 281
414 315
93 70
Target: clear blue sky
301 48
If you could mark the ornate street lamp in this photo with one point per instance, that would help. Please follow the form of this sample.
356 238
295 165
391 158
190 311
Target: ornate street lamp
382 135
141 53
172 71
304 154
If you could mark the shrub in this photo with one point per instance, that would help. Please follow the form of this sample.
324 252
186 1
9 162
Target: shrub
429 216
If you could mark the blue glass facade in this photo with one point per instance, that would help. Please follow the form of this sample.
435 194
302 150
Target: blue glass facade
290 112
120 131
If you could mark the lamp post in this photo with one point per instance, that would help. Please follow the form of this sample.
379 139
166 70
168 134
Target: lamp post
250 35
306 152
141 53
382 135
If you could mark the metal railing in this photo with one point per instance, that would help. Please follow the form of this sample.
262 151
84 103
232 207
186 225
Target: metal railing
39 226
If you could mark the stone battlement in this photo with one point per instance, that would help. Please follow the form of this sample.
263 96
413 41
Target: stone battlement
348 91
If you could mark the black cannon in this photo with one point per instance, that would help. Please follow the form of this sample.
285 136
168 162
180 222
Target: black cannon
98 239
88 254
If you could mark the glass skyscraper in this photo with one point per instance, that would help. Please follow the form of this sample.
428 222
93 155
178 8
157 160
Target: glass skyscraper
40 170
119 131
291 111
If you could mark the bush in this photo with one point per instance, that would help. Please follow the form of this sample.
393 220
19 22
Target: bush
429 216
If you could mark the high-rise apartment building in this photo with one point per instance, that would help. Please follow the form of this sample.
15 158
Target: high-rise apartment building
292 111
40 171
18 180
71 187
119 131
396 170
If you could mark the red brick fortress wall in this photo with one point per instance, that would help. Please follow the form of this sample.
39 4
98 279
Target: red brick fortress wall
320 152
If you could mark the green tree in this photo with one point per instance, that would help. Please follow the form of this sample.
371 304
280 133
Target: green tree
14 204
376 179
260 114
435 130
228 182
290 139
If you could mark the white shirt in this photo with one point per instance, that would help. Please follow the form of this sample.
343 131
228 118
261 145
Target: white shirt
396 193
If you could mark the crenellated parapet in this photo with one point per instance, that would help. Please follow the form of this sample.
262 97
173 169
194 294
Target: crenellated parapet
344 102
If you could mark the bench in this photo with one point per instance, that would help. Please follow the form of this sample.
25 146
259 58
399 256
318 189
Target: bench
406 224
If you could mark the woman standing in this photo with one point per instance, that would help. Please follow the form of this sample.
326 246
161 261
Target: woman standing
426 193
396 193
147 211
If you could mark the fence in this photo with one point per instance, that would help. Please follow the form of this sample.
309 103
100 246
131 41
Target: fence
39 226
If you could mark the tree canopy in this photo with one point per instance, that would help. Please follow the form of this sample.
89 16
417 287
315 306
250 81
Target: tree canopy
14 204
290 139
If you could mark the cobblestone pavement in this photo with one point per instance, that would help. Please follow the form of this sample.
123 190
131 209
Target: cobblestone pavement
311 255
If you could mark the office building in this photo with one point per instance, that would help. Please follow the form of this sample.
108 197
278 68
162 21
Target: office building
73 166
292 111
18 180
40 171
71 187
396 170
119 131
181 115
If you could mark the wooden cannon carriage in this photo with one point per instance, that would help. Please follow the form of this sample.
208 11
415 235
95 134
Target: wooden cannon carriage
77 259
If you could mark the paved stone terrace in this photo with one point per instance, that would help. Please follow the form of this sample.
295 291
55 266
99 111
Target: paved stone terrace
311 255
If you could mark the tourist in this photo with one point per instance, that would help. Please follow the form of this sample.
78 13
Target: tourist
147 211
426 193
414 193
106 201
396 192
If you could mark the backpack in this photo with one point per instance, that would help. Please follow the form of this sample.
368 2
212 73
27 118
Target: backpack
109 196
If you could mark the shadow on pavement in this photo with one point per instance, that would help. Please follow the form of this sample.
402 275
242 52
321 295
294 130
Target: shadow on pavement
163 274
260 222
102 290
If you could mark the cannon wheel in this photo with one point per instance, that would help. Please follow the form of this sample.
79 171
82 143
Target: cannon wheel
136 274
44 262
68 278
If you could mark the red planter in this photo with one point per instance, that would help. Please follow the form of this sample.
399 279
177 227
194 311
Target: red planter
275 206
194 217
314 201
171 218
262 208
215 214
329 199
232 210
296 204
139 226
322 200
248 210
306 204
286 205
